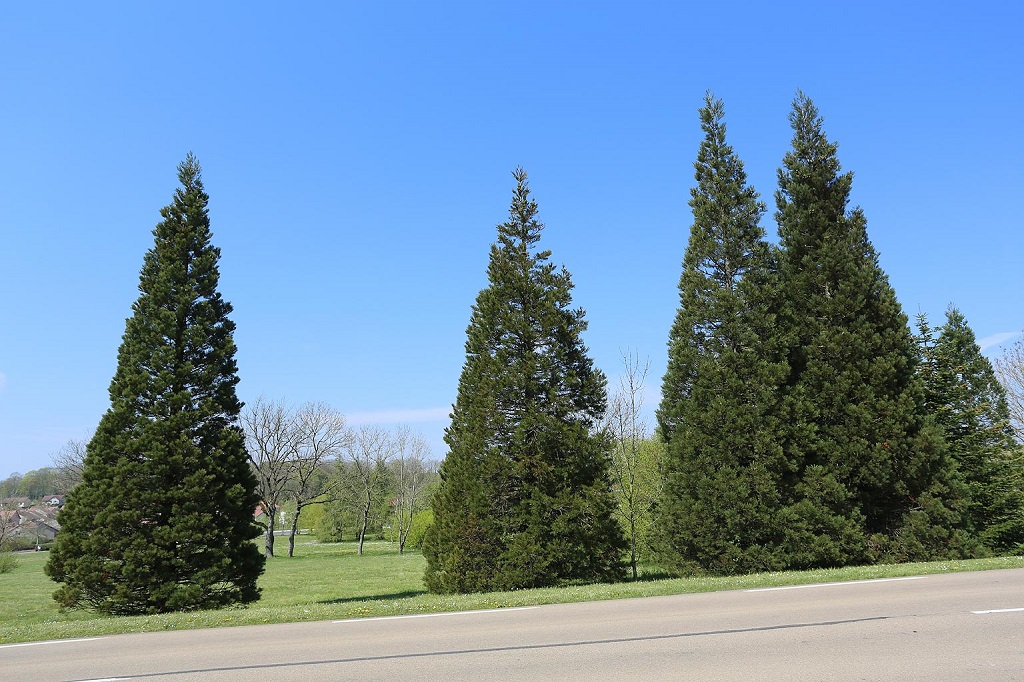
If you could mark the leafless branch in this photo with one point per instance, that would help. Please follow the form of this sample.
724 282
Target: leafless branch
1010 371
271 442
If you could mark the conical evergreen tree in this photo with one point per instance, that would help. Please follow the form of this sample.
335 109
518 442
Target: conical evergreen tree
724 464
525 498
871 477
162 520
969 404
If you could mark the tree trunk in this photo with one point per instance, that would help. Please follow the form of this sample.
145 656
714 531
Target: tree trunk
291 535
403 532
632 542
269 544
362 531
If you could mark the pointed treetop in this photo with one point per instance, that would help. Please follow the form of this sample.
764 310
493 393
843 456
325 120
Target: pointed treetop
726 210
189 170
813 194
813 156
716 158
522 224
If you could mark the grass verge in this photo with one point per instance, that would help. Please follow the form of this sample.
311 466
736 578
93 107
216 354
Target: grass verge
330 582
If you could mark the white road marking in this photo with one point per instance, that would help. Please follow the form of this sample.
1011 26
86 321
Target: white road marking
848 582
435 615
998 611
52 641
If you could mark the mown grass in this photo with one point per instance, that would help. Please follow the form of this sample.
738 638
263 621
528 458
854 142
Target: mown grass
330 582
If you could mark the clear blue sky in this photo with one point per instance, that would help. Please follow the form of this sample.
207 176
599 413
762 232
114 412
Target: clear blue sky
358 158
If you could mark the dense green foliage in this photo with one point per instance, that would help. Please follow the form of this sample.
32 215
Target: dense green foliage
870 478
421 521
794 415
525 498
719 511
970 405
162 520
33 485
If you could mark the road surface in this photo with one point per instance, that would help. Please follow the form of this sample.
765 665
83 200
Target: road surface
963 626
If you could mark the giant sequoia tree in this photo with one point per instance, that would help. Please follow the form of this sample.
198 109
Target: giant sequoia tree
871 478
970 405
162 519
721 498
525 499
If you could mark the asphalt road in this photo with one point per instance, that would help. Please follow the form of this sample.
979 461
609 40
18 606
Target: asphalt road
964 626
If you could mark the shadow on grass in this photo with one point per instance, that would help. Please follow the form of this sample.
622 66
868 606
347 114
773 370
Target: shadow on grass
374 597
650 576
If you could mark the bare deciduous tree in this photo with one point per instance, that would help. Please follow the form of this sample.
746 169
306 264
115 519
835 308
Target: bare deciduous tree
320 437
413 472
270 440
367 456
8 523
635 460
1010 371
69 462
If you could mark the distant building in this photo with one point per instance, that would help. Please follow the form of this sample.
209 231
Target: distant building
39 523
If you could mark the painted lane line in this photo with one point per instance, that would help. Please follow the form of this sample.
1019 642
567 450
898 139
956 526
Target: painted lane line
848 582
998 611
437 615
52 641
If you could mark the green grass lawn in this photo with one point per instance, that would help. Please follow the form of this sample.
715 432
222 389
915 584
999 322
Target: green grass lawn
331 582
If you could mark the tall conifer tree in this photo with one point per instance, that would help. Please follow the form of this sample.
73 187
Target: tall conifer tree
718 413
163 518
872 479
525 498
970 405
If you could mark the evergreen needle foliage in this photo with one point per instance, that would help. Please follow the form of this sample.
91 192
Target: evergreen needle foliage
525 499
870 479
970 405
162 520
721 499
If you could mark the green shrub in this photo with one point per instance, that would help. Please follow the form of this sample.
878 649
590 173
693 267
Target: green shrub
19 544
330 524
421 520
312 517
7 562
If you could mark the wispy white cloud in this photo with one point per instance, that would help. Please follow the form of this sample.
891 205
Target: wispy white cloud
997 339
430 414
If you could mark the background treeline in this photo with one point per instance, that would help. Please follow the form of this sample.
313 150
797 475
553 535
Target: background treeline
34 485
318 474
347 483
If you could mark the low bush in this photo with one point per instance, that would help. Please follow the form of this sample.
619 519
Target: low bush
8 562
19 544
421 520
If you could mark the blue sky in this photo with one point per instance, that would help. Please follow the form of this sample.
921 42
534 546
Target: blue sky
359 155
